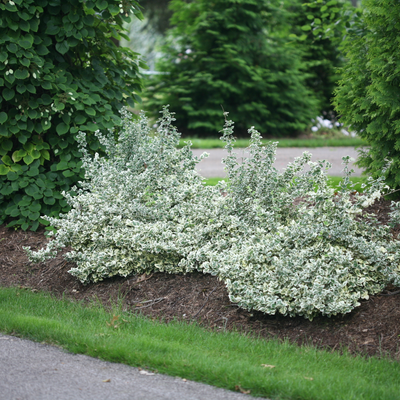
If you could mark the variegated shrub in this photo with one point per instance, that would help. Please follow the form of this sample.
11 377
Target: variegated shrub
282 242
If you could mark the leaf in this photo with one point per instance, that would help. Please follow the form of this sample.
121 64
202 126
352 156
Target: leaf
34 215
32 103
90 111
308 378
35 225
238 388
32 114
60 105
143 372
62 128
7 145
46 85
101 4
143 278
49 200
45 154
23 183
62 47
26 44
46 99
21 88
10 78
52 29
68 173
26 201
35 154
62 165
8 94
6 190
35 207
7 160
88 20
4 170
80 119
31 190
268 366
14 212
16 157
28 147
12 176
33 171
3 117
28 159
42 50
12 48
15 167
25 62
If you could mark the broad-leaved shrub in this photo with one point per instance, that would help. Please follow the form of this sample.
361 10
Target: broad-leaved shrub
60 72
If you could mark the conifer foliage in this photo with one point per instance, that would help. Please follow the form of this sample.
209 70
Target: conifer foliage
321 55
368 96
228 53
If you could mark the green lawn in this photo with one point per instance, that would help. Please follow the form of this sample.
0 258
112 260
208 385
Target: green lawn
212 143
267 368
333 181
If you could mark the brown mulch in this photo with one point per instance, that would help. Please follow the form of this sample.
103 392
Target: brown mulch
371 329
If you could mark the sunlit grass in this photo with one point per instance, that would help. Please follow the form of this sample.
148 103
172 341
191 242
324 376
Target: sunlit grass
213 143
267 368
334 181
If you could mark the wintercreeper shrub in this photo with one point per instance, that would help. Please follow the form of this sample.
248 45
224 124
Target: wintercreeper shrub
282 242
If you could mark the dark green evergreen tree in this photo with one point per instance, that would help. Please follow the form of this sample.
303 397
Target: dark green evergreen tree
368 96
230 54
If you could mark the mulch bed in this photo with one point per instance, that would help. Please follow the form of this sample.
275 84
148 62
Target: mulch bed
372 329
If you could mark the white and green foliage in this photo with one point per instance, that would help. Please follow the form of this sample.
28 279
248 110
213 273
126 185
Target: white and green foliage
282 242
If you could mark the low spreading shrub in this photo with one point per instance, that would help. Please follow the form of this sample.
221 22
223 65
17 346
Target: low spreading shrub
282 241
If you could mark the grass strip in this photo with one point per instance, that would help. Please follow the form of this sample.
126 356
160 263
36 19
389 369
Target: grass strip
333 182
224 359
213 143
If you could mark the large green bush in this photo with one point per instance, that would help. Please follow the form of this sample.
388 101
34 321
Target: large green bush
282 242
232 54
368 96
60 72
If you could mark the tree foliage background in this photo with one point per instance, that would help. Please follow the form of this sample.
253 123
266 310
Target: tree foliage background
321 53
232 54
368 95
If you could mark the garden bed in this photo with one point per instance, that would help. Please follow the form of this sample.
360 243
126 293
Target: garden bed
371 329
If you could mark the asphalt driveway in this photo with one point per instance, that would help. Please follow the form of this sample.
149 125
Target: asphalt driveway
212 166
36 371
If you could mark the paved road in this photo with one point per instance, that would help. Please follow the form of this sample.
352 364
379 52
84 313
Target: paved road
212 166
35 371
